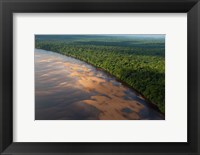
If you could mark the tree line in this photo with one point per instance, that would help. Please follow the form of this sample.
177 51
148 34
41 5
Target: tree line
142 66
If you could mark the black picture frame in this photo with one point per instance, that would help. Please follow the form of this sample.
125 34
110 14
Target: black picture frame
8 7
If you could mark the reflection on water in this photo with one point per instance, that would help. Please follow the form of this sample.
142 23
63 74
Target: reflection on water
69 89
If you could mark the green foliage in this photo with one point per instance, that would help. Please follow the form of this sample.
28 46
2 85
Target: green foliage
140 63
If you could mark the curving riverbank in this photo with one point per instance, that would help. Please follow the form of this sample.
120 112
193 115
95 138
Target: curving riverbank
67 88
141 68
153 105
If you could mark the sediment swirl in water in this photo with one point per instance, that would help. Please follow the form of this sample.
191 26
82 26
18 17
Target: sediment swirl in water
69 89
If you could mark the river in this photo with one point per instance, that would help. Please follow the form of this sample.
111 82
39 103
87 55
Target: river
70 89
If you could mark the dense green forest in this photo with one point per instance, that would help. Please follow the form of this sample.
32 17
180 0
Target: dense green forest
138 60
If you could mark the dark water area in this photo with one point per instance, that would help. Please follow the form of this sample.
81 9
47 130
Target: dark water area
70 89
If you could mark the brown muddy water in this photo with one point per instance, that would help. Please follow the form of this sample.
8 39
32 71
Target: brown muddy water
70 89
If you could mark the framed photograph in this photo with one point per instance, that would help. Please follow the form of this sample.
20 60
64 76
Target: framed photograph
104 77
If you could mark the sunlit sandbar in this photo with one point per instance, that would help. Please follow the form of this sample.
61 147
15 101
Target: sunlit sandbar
69 89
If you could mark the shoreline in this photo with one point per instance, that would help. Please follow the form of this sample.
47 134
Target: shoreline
139 94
